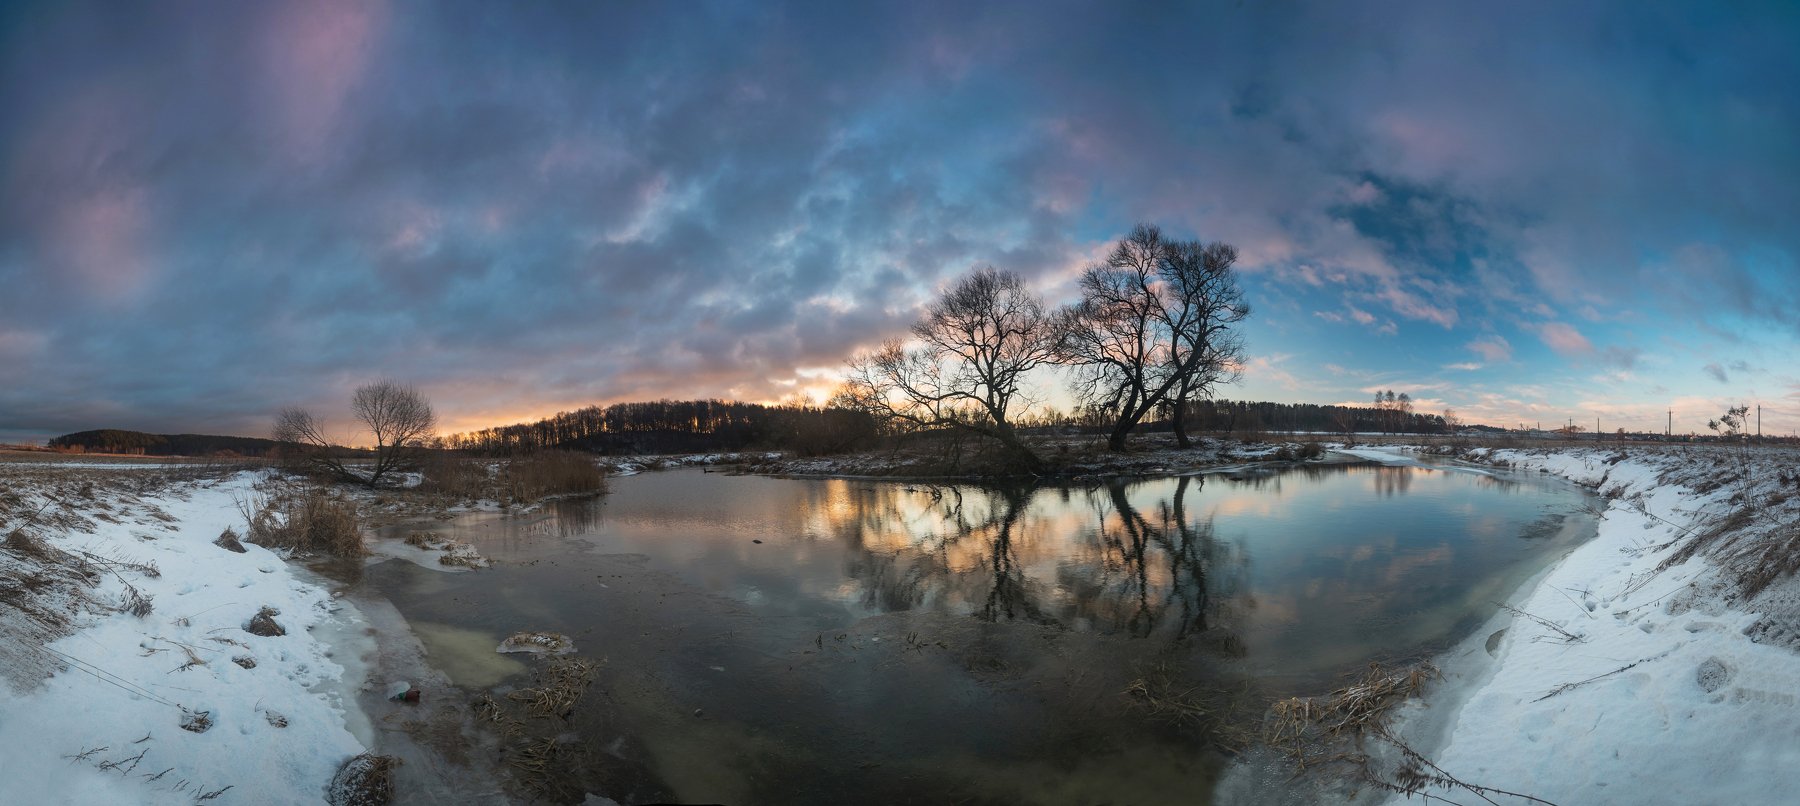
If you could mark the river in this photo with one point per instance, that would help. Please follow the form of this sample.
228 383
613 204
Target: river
770 640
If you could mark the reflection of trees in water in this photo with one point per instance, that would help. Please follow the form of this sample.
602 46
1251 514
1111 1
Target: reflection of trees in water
570 517
1054 556
1156 570
1498 483
1392 480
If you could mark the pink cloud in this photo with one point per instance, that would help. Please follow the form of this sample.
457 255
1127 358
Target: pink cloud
1494 348
316 54
1564 339
1412 306
99 239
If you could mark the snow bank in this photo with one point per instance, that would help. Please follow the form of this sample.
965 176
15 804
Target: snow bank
1666 697
108 727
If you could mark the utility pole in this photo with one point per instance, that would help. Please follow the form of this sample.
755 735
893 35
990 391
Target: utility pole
1596 429
1759 422
1670 430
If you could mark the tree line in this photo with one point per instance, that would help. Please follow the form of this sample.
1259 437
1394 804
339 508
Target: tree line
113 440
680 425
1244 415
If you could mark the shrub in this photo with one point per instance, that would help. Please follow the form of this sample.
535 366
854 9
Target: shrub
551 473
456 477
364 780
308 521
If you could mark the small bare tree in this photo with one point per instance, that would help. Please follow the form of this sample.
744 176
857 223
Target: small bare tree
973 349
304 445
397 415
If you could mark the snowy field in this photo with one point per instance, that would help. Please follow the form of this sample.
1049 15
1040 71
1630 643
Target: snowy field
98 716
1652 678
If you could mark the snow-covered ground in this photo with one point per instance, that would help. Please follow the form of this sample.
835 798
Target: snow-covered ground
1671 685
106 725
633 465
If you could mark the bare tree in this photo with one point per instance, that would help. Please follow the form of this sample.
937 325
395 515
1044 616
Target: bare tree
398 417
1395 410
1153 327
1200 281
1453 423
304 445
974 347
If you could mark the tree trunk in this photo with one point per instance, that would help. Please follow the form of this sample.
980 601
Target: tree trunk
1179 412
1122 429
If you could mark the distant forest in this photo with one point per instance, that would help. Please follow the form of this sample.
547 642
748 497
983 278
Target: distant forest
717 425
1243 415
673 426
112 440
678 426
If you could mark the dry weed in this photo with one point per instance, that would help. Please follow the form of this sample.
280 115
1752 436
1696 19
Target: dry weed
309 520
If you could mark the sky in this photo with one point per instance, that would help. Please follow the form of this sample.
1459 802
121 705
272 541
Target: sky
1524 212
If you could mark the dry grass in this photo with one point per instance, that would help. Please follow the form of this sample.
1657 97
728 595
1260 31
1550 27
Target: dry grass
1342 732
489 710
560 687
529 720
455 552
364 780
1220 714
551 473
456 478
1362 706
305 520
538 642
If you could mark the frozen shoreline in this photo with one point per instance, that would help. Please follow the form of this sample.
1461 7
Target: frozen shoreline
279 707
1665 697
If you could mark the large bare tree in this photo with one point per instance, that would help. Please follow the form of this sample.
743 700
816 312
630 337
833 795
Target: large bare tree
1201 282
1153 327
397 416
966 368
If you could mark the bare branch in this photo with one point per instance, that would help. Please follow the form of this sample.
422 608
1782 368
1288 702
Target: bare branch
974 348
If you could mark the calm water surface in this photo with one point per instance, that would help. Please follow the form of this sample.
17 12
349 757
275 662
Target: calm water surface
902 642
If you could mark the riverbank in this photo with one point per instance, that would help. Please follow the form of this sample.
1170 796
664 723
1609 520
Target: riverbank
1653 664
1072 457
145 664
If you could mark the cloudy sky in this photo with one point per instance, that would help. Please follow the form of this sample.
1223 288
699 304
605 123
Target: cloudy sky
1524 212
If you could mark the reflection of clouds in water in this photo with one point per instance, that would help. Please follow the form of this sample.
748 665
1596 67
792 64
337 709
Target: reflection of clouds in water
1165 557
1243 505
1487 525
1413 563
